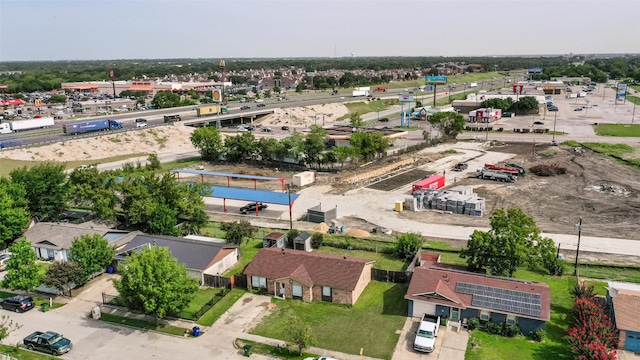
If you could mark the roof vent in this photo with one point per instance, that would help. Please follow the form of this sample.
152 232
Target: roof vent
345 257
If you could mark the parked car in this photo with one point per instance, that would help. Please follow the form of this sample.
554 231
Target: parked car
266 129
49 342
538 123
285 127
577 109
246 107
17 303
384 119
553 109
251 207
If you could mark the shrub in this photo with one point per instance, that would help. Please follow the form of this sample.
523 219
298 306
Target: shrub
493 328
582 291
473 323
408 245
511 330
316 240
537 335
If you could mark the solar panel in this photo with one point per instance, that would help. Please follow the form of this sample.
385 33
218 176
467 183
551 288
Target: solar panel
512 301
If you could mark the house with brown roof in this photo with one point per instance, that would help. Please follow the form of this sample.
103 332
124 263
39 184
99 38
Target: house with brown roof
624 301
309 276
461 295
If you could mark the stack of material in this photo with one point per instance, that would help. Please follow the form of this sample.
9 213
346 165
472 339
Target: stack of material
459 200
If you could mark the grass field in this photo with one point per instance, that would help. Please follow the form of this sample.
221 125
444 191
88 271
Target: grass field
624 130
23 354
381 310
363 107
202 297
220 307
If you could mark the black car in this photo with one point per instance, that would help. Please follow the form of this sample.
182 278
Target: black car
246 107
251 207
538 123
261 105
18 303
285 127
384 120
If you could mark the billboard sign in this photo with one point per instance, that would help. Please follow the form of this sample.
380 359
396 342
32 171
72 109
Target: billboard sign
621 92
405 98
435 79
216 95
535 71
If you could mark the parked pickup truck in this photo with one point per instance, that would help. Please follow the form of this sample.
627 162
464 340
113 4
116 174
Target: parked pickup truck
49 342
427 332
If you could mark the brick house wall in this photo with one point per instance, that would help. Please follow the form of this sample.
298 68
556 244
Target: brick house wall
364 280
622 339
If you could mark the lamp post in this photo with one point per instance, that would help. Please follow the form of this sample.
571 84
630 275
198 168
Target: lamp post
575 266
555 116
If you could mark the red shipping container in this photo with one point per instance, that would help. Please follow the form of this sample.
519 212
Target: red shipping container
433 182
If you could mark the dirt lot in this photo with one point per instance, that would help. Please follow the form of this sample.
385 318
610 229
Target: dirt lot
597 188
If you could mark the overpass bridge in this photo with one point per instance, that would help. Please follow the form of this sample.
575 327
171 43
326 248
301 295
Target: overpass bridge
229 120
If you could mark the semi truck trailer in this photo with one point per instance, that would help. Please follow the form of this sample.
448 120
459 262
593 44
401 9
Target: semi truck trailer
90 126
13 126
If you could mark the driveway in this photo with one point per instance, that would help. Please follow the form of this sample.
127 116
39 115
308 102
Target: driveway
450 344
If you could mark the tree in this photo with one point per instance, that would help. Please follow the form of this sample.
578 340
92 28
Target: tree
504 104
7 326
90 188
314 144
46 189
237 231
355 120
152 281
58 99
209 141
22 271
407 245
92 252
527 104
63 275
450 124
153 162
299 335
165 99
14 213
291 235
512 240
163 221
367 145
240 147
342 153
276 89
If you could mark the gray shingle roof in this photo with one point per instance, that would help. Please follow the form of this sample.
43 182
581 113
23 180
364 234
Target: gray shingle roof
194 254
58 236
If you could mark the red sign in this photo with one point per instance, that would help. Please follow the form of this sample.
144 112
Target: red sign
111 74
2 86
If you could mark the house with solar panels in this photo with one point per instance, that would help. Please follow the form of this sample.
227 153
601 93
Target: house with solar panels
437 289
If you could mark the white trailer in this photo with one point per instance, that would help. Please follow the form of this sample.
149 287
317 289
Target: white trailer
473 84
359 93
31 124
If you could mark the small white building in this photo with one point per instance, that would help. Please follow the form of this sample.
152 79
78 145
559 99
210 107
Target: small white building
485 115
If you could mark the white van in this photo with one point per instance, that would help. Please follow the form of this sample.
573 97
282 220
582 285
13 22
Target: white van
141 123
258 101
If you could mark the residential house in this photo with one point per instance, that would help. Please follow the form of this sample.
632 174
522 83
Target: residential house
200 257
445 291
53 241
624 301
274 239
297 274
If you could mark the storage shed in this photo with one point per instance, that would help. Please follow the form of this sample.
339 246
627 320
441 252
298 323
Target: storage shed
304 178
274 239
302 242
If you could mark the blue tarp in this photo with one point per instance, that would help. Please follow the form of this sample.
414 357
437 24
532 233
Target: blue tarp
238 176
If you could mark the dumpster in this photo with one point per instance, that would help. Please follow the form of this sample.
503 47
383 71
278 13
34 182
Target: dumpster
248 349
196 331
45 307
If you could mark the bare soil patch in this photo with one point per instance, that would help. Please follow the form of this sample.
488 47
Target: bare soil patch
400 180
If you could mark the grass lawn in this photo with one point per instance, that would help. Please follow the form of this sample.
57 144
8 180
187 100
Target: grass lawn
628 130
203 296
142 324
23 354
220 307
382 261
38 301
363 107
370 324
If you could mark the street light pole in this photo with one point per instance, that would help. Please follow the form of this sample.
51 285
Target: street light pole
575 266
555 116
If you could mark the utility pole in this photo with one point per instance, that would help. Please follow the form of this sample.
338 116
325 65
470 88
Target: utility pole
290 216
555 116
633 115
575 266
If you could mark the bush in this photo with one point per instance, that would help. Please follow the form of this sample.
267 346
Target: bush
493 328
511 330
316 240
408 245
473 323
537 335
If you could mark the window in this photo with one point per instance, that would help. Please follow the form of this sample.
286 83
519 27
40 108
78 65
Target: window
511 319
297 292
258 282
484 315
326 294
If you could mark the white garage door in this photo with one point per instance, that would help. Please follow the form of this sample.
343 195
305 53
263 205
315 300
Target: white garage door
421 307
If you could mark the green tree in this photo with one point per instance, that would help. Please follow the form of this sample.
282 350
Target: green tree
450 124
153 162
90 188
14 212
152 281
342 153
316 240
407 245
291 235
165 99
299 335
527 104
240 147
314 144
277 89
368 145
355 120
46 189
209 141
63 275
301 87
58 99
513 240
237 231
22 271
503 104
92 252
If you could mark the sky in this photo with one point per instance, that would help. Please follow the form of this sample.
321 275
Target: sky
162 29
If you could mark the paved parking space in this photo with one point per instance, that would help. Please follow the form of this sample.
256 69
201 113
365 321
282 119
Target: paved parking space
450 344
